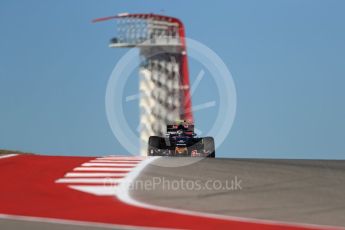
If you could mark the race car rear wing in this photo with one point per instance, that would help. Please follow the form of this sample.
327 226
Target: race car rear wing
188 129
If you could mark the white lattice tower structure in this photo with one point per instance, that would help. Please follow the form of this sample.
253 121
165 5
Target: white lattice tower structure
163 74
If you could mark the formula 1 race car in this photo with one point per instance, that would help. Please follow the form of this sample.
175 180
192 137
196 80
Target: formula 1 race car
180 140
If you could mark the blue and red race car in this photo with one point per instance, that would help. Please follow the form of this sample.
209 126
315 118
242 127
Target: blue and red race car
181 140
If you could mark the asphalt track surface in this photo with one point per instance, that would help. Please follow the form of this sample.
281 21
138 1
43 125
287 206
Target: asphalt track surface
302 191
9 224
41 192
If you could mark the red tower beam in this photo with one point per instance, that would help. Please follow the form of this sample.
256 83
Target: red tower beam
187 102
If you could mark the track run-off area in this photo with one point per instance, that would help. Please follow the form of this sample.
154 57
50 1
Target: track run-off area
94 193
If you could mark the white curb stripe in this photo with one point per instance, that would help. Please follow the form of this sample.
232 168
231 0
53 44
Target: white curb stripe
102 169
96 190
115 161
8 155
120 158
95 174
89 180
108 164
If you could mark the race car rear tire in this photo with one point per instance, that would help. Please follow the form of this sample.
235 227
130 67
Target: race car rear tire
153 145
209 147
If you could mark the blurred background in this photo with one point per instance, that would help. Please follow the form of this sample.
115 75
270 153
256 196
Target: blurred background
287 59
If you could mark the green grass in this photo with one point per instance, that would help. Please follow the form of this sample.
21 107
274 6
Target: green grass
4 152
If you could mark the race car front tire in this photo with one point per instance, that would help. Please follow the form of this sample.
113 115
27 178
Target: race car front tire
209 147
153 145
